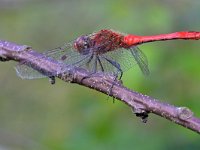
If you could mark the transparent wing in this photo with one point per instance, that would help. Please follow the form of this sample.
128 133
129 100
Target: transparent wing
121 56
115 61
125 59
26 72
111 62
64 54
141 59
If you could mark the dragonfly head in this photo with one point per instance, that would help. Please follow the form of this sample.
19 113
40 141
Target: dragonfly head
83 44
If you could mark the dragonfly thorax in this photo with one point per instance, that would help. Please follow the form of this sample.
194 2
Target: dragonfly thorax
98 43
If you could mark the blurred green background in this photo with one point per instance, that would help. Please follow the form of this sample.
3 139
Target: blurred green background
37 115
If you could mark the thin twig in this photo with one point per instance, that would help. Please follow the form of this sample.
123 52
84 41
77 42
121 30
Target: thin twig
141 104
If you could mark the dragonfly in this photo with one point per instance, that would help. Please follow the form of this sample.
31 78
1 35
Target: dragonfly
105 51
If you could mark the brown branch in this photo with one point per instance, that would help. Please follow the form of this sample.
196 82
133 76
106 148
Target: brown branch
141 104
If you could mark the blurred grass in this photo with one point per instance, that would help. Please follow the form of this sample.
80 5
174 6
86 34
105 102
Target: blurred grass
66 116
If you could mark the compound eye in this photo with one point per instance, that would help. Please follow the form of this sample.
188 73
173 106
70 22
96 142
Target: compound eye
82 45
85 45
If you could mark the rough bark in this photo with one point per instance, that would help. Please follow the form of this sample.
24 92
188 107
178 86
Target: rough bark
141 104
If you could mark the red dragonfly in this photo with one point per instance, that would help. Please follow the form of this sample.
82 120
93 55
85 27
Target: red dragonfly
105 51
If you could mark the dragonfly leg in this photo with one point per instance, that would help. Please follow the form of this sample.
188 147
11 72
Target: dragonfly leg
117 66
100 64
74 64
94 69
90 59
119 71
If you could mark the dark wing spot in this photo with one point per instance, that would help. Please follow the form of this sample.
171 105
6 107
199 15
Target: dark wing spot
64 57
